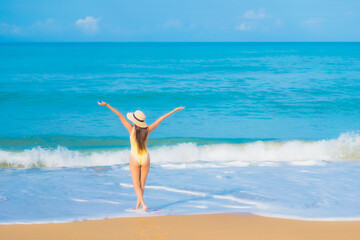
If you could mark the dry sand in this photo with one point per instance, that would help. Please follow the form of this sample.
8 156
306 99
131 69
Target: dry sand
206 226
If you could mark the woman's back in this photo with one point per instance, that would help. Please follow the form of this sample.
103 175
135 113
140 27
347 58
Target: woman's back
138 154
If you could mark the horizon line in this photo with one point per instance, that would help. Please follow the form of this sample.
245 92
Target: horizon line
179 42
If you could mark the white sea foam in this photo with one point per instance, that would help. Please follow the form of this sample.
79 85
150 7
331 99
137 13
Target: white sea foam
322 219
95 200
234 199
201 206
79 200
168 189
190 155
230 198
235 207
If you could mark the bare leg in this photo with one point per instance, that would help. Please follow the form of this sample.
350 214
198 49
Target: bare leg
135 173
138 203
144 170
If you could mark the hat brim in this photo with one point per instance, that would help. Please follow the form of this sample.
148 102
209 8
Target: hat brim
130 116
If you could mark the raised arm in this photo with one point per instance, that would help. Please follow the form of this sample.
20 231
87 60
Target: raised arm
160 119
122 118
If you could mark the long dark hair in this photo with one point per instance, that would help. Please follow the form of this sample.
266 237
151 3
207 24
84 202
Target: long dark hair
141 138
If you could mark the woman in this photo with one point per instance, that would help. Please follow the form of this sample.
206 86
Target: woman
139 156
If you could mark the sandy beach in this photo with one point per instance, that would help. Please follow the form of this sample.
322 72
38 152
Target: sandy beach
205 226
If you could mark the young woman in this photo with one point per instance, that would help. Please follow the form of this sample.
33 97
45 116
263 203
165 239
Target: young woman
139 156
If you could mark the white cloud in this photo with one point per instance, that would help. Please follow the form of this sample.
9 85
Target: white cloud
9 29
47 28
243 27
256 19
89 25
255 15
312 21
172 23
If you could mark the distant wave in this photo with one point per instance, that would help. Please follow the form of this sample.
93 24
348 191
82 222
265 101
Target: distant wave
190 155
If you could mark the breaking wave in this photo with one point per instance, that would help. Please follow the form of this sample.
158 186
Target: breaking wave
191 155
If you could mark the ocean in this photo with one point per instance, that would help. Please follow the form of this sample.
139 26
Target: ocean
268 128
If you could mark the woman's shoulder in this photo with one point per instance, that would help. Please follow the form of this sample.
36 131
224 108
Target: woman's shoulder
132 130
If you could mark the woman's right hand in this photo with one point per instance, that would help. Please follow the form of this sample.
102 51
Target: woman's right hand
179 108
102 103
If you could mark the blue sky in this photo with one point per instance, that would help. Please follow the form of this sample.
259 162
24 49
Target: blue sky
185 20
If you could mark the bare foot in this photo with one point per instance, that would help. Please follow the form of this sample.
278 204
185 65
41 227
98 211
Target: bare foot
137 205
145 208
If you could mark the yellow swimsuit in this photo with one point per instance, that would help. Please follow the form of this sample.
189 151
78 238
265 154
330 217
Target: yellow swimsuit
140 158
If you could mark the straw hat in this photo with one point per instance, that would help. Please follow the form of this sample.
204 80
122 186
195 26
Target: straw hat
138 118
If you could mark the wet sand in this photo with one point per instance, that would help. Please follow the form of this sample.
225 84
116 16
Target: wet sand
179 227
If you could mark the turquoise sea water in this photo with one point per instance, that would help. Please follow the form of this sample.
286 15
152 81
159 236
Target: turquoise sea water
266 129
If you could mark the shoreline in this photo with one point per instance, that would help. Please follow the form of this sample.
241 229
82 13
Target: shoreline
197 226
285 217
